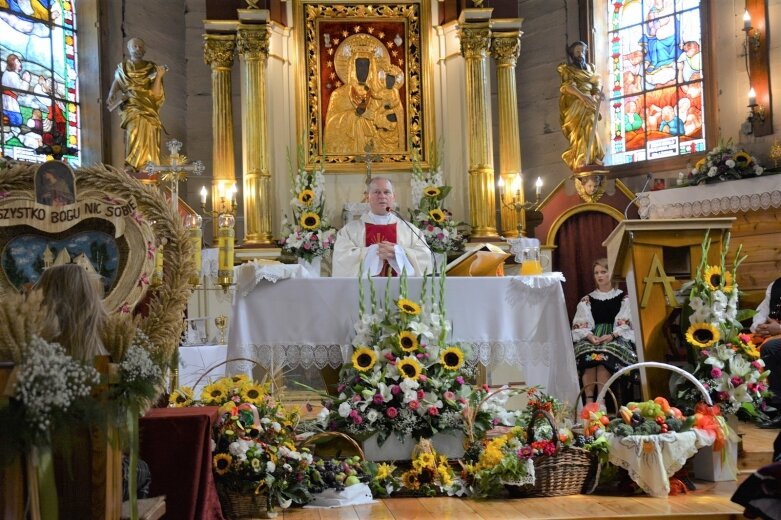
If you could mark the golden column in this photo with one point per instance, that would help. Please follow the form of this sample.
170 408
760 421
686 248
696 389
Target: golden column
475 36
218 50
505 48
252 43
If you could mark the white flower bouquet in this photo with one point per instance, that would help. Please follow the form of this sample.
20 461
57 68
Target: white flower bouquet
725 162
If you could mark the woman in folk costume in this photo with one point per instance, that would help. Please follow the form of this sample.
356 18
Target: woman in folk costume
380 243
602 330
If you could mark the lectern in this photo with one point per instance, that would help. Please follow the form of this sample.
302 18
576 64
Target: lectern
656 257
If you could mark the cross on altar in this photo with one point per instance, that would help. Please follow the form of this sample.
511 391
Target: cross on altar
368 158
176 170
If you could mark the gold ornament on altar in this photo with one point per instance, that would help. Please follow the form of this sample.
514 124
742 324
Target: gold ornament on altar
221 322
775 154
591 186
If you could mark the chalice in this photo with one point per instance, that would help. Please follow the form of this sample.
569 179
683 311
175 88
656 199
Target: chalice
221 322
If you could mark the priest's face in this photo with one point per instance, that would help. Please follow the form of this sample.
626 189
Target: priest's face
381 196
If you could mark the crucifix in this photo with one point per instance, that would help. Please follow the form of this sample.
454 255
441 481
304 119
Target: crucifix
368 158
175 171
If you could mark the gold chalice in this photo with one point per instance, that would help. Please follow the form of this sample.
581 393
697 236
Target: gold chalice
221 322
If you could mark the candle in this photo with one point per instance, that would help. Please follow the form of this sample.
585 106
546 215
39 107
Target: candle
225 236
538 186
752 97
203 195
517 185
234 190
501 185
746 20
195 236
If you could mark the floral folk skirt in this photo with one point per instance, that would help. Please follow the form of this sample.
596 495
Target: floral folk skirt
614 355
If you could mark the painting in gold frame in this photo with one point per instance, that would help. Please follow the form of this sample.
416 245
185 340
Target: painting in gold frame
365 86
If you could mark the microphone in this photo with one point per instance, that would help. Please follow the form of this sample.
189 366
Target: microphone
419 235
637 196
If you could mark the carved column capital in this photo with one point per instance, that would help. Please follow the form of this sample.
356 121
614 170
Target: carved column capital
475 41
253 40
218 50
505 49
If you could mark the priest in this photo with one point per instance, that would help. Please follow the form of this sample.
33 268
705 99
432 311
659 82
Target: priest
380 243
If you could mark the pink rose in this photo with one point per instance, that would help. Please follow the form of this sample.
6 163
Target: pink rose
736 380
423 378
715 372
433 411
413 405
357 419
421 395
723 396
756 365
357 398
395 389
378 399
449 395
391 412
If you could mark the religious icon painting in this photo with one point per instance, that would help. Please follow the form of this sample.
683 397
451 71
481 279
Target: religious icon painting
366 87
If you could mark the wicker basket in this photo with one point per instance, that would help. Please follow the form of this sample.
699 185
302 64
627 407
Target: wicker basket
243 506
564 473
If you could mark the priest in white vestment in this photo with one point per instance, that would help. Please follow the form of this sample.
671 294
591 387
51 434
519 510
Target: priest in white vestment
380 242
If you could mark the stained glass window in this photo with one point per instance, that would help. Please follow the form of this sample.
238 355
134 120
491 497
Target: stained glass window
39 79
655 79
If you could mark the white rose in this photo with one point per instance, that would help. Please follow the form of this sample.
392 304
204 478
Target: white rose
758 169
270 467
712 172
730 163
344 409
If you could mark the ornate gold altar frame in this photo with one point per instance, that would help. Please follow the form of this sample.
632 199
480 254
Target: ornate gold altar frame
325 68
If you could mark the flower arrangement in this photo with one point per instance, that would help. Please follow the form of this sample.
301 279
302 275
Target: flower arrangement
403 377
428 212
725 162
726 362
431 475
310 234
254 444
50 386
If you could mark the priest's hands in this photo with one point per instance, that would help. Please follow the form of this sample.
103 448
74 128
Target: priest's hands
386 250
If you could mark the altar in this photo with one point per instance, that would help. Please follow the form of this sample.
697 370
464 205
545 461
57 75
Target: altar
309 322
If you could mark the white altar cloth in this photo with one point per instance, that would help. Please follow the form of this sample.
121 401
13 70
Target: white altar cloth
705 200
310 322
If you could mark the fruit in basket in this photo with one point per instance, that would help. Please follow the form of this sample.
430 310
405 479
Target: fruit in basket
626 414
351 481
662 402
637 419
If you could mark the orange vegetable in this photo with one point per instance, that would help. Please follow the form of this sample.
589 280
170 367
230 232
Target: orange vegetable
604 420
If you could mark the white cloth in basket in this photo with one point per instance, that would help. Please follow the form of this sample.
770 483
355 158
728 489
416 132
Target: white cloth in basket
652 459
350 496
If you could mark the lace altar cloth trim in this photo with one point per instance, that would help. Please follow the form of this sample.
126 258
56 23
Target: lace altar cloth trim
524 354
250 274
727 197
651 460
527 480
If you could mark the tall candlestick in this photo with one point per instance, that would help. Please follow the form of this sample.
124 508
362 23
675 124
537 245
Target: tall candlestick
225 238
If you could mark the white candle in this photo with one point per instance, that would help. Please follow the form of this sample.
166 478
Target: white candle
752 97
203 195
538 186
501 185
746 20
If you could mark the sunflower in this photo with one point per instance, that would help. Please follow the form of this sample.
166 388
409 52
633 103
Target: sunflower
408 341
424 460
238 378
384 471
431 191
309 220
751 351
408 307
728 286
742 159
364 359
306 197
253 393
181 397
409 368
222 463
410 480
214 394
713 277
452 358
702 335
437 215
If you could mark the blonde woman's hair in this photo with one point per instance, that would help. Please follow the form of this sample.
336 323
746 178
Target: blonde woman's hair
73 297
599 261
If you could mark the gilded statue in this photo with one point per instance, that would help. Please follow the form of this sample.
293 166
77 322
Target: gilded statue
366 108
579 102
137 91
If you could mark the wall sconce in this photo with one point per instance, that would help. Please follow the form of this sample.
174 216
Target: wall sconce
227 200
752 35
755 26
518 204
